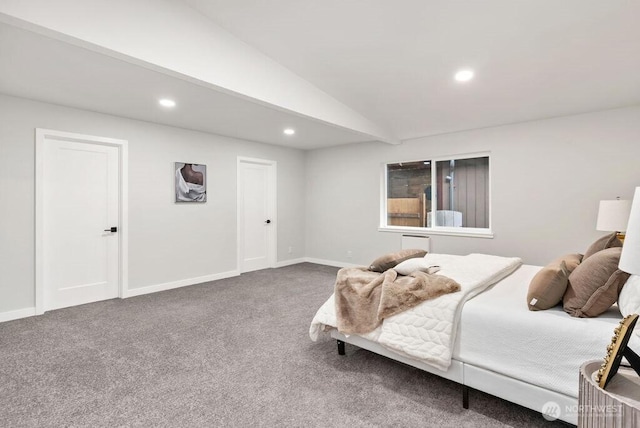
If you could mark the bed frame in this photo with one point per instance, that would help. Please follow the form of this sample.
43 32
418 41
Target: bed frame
470 376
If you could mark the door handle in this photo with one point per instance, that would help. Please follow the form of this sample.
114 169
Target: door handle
268 221
112 229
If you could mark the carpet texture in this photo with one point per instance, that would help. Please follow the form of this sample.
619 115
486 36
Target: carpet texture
234 352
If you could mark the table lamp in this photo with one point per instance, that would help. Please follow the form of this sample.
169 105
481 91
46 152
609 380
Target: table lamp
630 258
613 216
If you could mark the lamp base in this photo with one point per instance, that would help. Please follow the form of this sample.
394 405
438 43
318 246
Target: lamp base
620 236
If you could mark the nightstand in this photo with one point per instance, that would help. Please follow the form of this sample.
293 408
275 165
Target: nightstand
617 406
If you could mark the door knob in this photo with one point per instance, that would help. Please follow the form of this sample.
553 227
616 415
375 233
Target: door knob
112 230
268 221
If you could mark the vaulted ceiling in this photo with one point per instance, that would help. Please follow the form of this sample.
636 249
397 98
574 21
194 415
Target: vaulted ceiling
379 70
41 68
394 61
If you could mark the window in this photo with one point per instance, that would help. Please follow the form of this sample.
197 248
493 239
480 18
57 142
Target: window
438 195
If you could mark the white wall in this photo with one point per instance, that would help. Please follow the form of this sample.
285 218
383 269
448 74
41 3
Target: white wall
158 228
548 177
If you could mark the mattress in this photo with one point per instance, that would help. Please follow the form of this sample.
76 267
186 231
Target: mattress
497 332
427 331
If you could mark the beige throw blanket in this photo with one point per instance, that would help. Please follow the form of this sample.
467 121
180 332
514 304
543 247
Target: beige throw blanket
364 298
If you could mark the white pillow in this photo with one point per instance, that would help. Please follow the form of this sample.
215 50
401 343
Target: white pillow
407 267
629 298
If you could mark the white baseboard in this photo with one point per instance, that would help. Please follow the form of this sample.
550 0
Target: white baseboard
29 312
314 260
289 262
14 315
177 284
329 262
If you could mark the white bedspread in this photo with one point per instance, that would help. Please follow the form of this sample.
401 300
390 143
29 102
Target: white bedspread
497 332
428 331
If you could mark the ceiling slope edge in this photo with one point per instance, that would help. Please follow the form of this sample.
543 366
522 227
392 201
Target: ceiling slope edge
305 100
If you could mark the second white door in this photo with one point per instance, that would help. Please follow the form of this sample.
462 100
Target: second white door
256 214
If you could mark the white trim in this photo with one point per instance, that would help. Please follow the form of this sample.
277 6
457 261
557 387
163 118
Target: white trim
39 223
468 232
290 262
273 208
384 185
123 229
329 262
457 156
180 283
17 314
239 224
123 226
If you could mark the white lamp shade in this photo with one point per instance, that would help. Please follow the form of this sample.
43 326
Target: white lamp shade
613 216
630 258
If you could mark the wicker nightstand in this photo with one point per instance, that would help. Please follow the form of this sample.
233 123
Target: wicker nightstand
617 406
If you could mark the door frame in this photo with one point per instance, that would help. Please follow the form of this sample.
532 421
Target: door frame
123 222
272 204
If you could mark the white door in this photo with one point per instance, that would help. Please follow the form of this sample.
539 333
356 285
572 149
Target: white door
80 197
256 214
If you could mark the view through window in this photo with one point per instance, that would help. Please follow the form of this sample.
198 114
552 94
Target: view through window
440 193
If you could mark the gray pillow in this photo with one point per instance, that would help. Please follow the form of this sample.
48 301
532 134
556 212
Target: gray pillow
548 286
571 261
595 284
419 264
390 260
607 241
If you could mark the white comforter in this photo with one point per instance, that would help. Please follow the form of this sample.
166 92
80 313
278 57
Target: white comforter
427 332
544 348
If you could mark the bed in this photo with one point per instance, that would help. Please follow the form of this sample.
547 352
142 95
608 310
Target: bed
499 346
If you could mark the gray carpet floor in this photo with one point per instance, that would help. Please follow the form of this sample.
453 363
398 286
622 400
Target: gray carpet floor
234 352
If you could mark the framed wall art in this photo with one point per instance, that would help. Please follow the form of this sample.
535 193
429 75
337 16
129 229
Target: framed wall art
190 182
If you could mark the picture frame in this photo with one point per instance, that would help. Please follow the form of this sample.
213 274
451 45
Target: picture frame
618 349
190 184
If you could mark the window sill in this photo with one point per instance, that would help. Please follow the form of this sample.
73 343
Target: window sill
446 231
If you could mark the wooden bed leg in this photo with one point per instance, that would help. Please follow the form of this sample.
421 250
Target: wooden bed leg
340 347
465 396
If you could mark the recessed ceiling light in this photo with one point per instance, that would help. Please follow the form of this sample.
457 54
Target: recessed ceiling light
289 131
166 102
464 75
